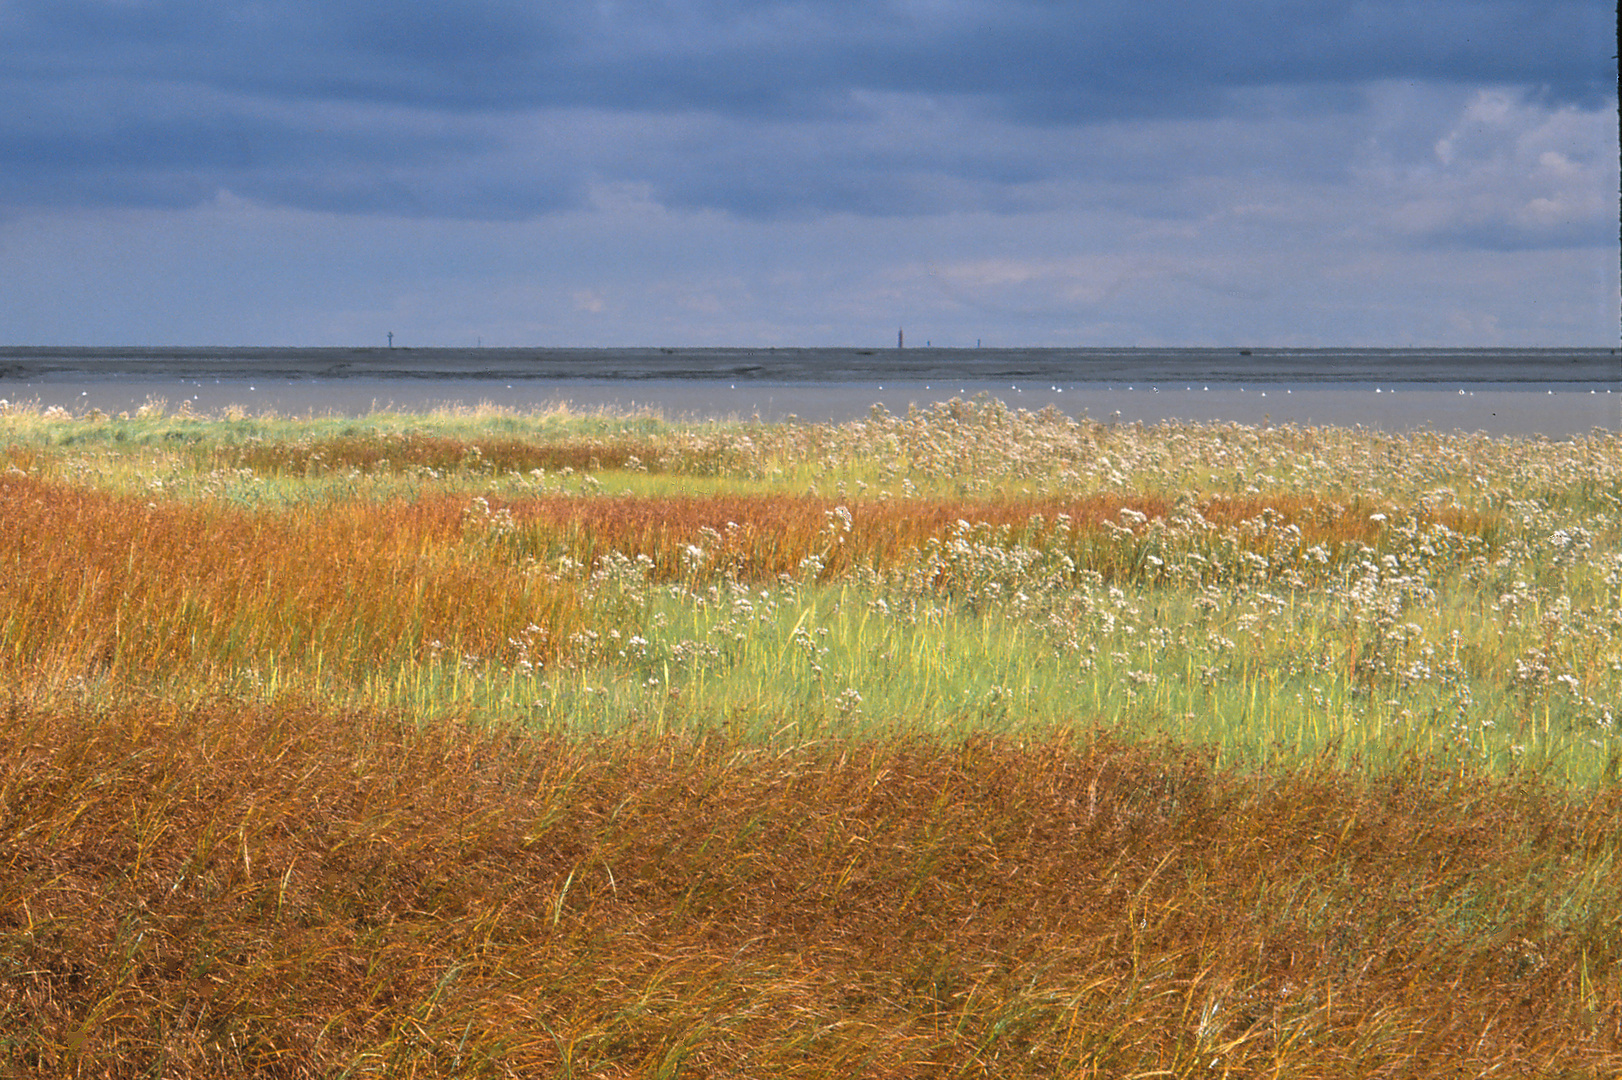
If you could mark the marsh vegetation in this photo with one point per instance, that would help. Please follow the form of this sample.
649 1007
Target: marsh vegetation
967 741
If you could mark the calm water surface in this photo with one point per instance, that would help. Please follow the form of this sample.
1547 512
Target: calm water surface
1514 392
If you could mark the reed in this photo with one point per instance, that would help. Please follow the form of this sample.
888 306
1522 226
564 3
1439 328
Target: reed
106 590
969 741
1456 620
412 450
762 536
286 891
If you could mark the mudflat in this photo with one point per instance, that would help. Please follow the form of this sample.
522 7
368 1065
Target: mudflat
822 365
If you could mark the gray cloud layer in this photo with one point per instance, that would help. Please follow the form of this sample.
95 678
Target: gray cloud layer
1043 59
504 109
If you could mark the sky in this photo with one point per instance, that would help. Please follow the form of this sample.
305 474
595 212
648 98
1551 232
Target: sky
809 172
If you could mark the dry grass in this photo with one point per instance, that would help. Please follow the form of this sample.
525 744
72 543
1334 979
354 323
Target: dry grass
113 588
229 891
762 536
398 452
217 863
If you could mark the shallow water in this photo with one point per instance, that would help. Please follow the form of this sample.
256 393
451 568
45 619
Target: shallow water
1550 392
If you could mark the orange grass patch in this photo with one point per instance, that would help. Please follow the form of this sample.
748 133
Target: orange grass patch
22 458
294 893
98 584
444 453
767 535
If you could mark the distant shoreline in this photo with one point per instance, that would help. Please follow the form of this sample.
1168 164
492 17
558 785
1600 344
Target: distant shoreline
790 366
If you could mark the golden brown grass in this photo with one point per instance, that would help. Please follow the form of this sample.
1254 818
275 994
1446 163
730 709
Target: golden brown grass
201 879
443 453
231 891
761 536
116 587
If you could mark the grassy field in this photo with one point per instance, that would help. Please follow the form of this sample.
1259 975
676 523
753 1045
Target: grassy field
965 742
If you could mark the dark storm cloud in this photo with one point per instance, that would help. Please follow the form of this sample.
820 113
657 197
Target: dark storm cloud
1035 57
157 143
404 107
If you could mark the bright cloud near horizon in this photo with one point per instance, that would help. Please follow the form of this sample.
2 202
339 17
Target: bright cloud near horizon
808 172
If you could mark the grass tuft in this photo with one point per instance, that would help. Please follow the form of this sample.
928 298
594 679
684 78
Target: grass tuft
965 742
286 891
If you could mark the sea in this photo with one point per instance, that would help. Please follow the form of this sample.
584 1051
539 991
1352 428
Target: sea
1556 393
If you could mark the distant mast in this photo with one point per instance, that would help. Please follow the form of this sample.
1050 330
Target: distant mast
900 339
